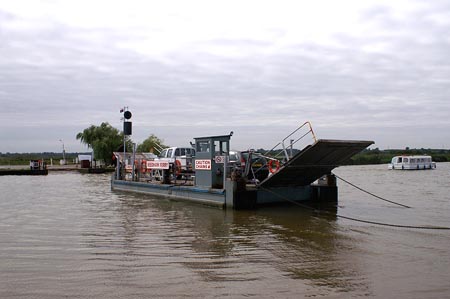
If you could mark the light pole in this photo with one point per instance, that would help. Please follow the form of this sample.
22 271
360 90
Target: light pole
126 132
63 152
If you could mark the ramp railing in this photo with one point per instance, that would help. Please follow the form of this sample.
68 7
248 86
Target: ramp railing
294 137
158 148
280 153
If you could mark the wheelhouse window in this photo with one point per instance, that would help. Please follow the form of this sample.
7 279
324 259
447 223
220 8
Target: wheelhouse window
220 147
203 146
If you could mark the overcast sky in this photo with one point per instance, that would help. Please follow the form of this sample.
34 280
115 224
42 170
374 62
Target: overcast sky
370 70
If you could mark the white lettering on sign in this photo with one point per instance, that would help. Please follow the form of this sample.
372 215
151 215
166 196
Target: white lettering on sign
219 159
202 164
157 165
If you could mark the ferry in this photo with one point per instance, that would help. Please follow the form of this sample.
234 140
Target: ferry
412 162
297 169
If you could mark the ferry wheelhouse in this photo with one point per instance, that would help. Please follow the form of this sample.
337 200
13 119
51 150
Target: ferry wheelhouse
412 163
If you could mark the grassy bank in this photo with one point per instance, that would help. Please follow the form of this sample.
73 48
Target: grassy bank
24 158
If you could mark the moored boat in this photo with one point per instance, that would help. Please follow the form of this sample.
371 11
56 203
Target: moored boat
409 162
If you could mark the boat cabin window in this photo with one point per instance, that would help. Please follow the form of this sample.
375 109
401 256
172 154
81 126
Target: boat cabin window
399 160
203 146
169 152
220 147
405 160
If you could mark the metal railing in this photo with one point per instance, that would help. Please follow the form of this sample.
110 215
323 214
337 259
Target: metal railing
280 155
293 139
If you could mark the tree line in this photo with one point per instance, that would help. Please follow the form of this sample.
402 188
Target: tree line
377 156
105 139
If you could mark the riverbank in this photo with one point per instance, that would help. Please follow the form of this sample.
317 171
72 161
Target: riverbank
24 169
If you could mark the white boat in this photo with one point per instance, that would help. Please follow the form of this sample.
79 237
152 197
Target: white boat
411 162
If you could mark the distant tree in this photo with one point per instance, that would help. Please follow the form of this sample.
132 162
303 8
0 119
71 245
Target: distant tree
151 144
104 140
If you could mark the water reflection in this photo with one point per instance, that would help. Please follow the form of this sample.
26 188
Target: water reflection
287 241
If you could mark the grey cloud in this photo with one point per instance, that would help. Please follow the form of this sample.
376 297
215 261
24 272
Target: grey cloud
76 77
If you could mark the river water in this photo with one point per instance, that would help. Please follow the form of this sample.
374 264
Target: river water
67 235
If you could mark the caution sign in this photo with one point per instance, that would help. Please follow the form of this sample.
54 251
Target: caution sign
157 165
202 164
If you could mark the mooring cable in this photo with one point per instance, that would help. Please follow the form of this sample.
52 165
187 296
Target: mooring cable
374 195
355 219
394 225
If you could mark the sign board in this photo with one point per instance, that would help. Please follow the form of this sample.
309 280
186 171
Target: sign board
219 159
203 164
157 164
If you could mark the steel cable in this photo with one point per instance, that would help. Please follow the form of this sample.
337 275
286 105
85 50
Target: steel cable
355 219
374 195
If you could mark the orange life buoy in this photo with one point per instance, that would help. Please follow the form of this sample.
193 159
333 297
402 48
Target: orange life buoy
178 167
277 166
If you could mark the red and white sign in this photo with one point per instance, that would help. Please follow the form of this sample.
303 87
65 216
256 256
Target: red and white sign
219 159
202 164
157 165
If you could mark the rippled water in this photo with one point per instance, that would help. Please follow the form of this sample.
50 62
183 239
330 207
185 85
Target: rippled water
68 235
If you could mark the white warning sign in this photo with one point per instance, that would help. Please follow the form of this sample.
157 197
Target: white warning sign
202 164
157 165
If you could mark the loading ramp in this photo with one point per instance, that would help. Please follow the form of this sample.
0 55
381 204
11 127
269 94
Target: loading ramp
314 161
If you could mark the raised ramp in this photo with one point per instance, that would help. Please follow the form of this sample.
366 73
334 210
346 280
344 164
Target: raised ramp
314 161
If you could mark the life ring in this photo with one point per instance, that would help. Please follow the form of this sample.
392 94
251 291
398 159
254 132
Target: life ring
277 166
242 162
178 167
